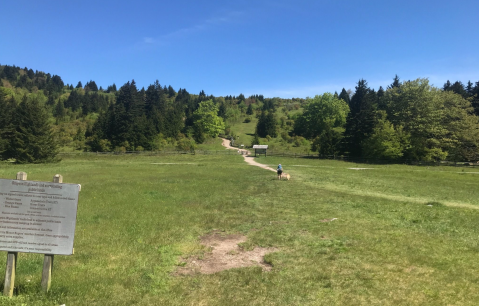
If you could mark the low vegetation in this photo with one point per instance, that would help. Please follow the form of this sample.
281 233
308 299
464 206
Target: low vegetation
383 235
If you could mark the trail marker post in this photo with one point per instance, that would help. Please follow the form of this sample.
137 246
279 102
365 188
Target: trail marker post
36 217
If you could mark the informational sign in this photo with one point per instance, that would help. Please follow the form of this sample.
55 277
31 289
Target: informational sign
37 217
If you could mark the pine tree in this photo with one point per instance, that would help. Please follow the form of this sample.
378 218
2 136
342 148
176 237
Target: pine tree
361 119
447 86
6 109
222 111
469 88
91 85
79 85
171 92
249 111
266 125
475 98
458 88
32 138
59 110
396 83
345 96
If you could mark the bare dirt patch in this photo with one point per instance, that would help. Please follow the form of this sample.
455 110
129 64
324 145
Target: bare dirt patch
225 254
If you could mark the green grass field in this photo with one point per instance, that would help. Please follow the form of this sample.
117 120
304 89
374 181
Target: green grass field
404 235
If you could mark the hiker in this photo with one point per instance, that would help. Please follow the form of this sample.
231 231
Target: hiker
279 171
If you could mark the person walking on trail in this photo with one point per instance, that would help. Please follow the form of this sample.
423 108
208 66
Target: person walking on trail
279 171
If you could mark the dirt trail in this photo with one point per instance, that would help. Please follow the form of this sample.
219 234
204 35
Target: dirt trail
246 155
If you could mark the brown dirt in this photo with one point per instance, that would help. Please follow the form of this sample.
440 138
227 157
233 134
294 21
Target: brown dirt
246 155
225 254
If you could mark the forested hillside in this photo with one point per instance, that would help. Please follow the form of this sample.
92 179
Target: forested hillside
40 115
409 120
87 117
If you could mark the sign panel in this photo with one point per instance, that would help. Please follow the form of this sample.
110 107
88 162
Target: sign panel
37 217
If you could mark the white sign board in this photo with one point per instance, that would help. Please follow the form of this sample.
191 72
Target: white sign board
37 217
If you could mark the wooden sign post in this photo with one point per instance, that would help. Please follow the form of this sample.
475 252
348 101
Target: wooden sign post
12 258
48 259
36 217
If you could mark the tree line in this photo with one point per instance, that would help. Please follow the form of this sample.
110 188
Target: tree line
409 120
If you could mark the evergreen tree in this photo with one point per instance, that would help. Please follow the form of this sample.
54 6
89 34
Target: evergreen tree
396 83
155 106
361 119
51 100
249 111
345 96
469 89
381 100
240 98
380 92
475 98
59 110
266 125
32 139
56 84
30 74
222 111
6 126
171 92
458 88
91 86
111 88
174 121
199 133
447 86
79 85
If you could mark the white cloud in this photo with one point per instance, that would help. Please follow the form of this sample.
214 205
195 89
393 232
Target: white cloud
199 27
149 40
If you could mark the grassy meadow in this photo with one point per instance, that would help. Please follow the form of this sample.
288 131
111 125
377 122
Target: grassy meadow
404 235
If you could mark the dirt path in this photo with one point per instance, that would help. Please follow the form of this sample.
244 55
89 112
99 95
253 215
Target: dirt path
246 155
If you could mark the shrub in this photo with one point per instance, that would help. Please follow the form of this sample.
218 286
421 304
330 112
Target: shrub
186 144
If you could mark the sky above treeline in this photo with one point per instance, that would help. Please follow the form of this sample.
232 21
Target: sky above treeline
278 48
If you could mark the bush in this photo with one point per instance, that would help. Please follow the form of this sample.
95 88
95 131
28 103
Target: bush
186 144
285 136
247 120
299 141
120 150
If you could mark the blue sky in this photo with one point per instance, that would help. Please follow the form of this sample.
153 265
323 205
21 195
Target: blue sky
278 48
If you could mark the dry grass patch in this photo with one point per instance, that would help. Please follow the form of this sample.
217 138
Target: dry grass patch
224 254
